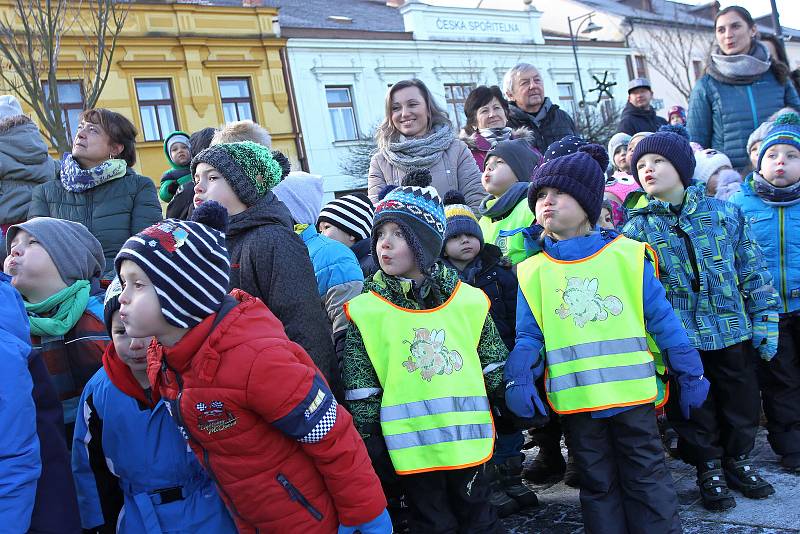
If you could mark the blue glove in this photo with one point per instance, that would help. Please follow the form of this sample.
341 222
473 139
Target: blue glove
523 399
765 334
380 525
692 394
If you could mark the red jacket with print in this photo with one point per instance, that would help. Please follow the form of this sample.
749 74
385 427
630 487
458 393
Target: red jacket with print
263 422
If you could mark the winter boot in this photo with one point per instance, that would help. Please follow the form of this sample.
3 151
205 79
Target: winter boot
742 477
548 466
713 488
791 462
498 497
511 482
571 476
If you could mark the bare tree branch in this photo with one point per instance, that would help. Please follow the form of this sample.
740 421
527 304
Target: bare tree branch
598 122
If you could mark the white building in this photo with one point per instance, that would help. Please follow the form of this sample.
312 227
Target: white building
344 55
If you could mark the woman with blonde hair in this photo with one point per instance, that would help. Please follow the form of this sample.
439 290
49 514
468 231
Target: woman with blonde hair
417 134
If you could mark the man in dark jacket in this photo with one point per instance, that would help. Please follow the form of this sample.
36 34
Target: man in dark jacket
638 115
524 88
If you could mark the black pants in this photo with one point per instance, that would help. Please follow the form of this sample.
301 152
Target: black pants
548 437
625 485
450 502
727 423
780 389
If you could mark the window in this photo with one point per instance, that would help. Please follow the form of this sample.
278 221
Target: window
698 68
71 102
455 94
340 109
566 97
641 66
156 108
237 104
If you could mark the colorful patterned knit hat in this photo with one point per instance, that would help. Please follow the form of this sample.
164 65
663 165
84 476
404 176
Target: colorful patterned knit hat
250 168
785 131
417 209
460 218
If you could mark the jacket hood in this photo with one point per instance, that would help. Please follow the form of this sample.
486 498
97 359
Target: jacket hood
642 204
268 210
581 247
166 151
473 142
403 292
21 141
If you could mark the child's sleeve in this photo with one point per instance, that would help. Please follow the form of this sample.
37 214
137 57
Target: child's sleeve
524 360
755 278
362 389
493 353
294 398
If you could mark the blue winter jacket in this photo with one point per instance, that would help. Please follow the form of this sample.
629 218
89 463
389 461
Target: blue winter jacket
722 116
21 463
712 268
122 452
777 231
659 317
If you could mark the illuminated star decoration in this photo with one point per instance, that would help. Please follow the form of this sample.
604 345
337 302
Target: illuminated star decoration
603 86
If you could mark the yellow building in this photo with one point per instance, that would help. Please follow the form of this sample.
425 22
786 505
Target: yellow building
186 67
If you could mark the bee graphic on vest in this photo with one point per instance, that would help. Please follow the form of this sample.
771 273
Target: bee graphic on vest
584 303
430 356
213 417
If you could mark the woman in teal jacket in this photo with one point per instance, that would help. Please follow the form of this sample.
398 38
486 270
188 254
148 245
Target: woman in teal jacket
742 87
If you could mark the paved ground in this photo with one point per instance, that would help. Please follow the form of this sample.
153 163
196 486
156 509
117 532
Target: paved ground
559 511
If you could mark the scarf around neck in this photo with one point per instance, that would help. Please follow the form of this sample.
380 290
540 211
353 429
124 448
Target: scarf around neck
739 69
420 152
505 203
495 135
775 196
77 180
64 309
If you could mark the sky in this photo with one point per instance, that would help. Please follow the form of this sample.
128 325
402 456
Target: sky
788 10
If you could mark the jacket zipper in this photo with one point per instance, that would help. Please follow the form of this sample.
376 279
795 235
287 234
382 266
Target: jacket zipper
692 257
782 256
295 495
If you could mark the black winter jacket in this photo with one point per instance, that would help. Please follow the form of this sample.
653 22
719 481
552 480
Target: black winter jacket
635 120
549 124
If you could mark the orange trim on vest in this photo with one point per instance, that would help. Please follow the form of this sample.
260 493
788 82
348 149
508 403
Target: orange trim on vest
666 394
549 257
655 258
439 307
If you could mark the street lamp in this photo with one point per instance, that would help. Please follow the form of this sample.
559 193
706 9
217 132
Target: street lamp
590 27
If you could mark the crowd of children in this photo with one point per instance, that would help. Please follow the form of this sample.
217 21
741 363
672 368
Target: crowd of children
263 362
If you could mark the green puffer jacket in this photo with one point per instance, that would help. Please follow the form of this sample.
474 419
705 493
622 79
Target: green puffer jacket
362 387
112 211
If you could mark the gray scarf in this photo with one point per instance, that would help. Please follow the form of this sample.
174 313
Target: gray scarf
776 196
739 69
421 152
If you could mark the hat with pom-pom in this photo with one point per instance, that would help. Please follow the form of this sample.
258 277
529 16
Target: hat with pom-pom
417 209
672 142
569 144
785 131
186 261
460 219
580 174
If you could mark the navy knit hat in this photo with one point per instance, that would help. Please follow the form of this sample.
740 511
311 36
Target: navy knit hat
580 174
186 261
785 131
569 144
673 146
518 155
351 214
417 209
460 218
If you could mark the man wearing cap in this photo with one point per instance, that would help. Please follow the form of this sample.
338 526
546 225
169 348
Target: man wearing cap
639 115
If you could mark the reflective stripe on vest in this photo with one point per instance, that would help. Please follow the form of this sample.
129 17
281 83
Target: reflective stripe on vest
434 410
512 246
581 306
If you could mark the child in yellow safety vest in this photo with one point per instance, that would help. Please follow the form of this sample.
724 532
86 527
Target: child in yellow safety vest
422 358
582 298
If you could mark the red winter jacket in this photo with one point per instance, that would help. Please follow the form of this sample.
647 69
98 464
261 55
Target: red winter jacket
262 421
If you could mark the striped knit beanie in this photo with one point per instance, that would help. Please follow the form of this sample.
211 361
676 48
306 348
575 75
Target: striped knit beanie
111 302
186 261
460 218
785 131
351 214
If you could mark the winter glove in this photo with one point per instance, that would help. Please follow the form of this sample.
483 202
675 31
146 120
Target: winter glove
380 525
765 334
523 400
692 393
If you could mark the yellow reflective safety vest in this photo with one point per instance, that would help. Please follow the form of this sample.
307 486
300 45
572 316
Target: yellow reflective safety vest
506 233
435 414
591 314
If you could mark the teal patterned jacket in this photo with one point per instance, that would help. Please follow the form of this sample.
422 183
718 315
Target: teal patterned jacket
712 269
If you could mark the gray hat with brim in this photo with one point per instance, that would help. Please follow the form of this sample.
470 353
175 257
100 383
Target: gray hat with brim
636 83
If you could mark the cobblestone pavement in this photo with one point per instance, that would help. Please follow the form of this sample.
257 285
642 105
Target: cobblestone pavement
559 511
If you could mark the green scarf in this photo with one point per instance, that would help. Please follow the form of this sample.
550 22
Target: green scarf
69 304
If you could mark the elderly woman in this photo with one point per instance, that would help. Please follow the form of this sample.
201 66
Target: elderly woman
743 86
487 123
417 134
98 186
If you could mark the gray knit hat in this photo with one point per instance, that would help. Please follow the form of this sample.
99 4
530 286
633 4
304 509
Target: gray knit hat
301 192
76 253
519 156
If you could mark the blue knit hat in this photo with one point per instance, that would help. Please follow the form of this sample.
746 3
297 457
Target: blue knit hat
417 209
673 146
186 261
460 218
581 174
569 144
785 131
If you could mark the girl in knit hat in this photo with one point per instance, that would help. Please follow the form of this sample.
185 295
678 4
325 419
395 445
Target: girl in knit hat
126 424
254 408
619 183
770 199
710 166
423 357
717 279
582 300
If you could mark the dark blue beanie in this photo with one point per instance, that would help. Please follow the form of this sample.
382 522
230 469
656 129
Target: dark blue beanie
579 174
567 145
674 147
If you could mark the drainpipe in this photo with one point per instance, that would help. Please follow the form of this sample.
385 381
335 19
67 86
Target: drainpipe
287 81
